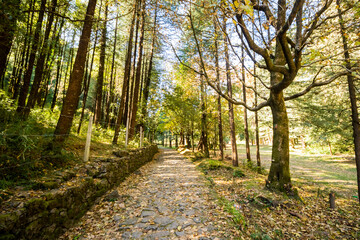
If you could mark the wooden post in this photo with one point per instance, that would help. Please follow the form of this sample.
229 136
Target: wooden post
127 132
88 140
141 136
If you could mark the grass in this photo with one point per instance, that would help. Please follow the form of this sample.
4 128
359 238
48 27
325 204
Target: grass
326 171
258 213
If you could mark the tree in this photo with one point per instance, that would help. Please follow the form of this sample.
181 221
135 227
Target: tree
282 59
100 79
352 94
73 94
10 12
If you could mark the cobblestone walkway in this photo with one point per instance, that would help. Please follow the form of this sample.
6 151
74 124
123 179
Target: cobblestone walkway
165 199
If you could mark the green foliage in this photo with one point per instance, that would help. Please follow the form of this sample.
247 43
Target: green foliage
211 164
238 173
23 145
237 217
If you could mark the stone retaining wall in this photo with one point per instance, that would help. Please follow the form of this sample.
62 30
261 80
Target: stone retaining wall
48 216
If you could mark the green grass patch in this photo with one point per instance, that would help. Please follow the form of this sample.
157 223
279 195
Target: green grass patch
214 165
237 217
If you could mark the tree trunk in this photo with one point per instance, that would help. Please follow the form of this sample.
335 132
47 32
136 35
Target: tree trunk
135 97
100 80
148 76
111 90
246 125
235 161
74 90
204 137
352 96
27 77
69 64
10 11
39 70
258 160
127 71
279 175
58 76
219 117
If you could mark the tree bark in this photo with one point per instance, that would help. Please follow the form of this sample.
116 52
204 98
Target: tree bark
352 96
74 90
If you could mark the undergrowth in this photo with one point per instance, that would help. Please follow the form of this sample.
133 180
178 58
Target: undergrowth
24 144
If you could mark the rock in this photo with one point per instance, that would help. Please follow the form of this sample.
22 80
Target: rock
114 195
129 221
160 234
136 235
147 213
187 225
145 220
151 227
140 225
126 235
163 221
210 228
190 212
197 220
172 226
162 209
179 234
152 191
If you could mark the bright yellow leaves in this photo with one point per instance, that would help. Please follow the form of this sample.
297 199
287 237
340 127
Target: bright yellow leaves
245 7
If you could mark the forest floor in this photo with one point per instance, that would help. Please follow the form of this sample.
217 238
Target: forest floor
166 199
170 198
327 172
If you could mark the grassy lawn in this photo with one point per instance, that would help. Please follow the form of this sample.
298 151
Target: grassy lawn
333 172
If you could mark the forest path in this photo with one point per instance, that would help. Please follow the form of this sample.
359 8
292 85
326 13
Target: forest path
165 199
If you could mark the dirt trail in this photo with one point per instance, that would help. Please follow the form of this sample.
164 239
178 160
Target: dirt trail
165 199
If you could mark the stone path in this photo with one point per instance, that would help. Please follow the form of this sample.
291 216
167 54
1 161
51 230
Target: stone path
165 199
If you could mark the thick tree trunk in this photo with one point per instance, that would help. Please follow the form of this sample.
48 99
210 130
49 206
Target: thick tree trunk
74 90
279 175
27 77
352 96
100 80
135 97
125 85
